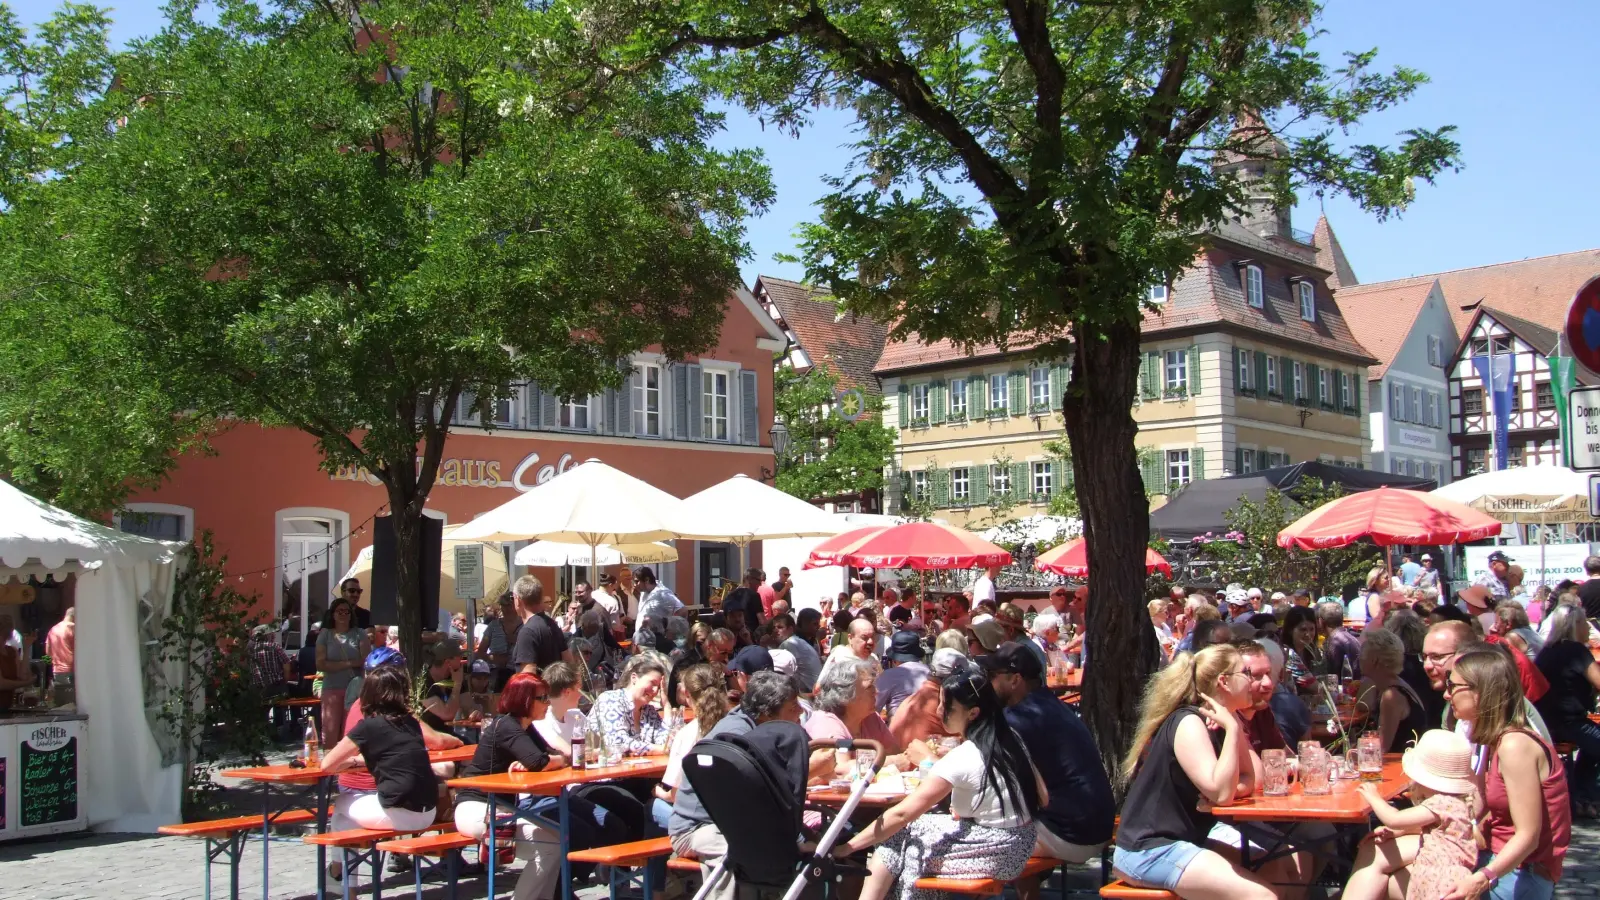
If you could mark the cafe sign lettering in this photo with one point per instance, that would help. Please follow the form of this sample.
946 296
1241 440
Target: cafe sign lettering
477 473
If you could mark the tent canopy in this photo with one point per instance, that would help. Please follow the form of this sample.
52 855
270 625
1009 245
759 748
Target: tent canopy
1201 506
39 539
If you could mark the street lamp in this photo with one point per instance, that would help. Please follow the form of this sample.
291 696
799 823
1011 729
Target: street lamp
780 442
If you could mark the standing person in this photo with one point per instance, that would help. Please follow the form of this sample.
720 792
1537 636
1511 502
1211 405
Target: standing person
656 603
1427 577
499 636
1573 676
783 588
994 790
1189 746
1589 591
350 591
270 668
606 598
802 642
1409 571
983 587
539 641
1497 579
341 649
769 595
1077 819
58 645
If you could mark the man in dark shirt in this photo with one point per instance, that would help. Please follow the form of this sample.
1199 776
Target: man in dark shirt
442 702
540 641
1589 591
1260 724
350 589
1342 654
746 600
1077 823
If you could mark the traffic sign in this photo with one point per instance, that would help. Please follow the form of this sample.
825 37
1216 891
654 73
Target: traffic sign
469 571
1583 325
1583 429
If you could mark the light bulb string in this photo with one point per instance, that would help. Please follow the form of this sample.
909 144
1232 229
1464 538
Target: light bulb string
357 531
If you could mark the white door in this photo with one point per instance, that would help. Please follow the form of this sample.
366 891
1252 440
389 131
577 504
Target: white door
307 561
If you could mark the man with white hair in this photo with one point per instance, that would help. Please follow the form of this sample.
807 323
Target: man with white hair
1043 633
1254 596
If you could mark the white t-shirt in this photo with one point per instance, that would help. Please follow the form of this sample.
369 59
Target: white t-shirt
982 589
687 736
477 632
554 731
606 602
963 768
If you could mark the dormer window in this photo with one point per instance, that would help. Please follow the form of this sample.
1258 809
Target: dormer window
1254 293
1308 300
1157 293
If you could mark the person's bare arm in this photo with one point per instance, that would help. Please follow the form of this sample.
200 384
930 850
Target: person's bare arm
438 740
343 755
925 797
1392 710
1523 768
1398 821
1593 674
1215 773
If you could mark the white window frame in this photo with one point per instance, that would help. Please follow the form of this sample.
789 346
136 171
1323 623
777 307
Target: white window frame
999 479
1308 300
184 513
960 484
571 405
1347 387
338 552
958 396
920 405
1299 380
1175 370
1247 376
1157 293
1397 401
642 392
919 485
1415 405
508 405
1038 387
1247 460
1272 376
1255 292
708 412
1043 479
1325 385
999 392
1179 467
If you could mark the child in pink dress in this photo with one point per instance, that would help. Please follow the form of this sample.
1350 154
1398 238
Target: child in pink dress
1443 793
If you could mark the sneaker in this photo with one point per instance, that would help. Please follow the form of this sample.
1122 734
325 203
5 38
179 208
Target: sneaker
399 864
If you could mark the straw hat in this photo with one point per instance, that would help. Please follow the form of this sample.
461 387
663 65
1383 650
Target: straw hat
1476 596
1440 761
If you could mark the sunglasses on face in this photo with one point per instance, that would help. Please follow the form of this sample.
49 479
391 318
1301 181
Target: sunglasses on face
1451 688
353 590
541 698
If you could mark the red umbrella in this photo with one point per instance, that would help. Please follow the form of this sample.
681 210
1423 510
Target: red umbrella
827 553
915 545
1388 516
1072 559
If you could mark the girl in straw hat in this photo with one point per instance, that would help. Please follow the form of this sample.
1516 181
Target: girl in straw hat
1436 833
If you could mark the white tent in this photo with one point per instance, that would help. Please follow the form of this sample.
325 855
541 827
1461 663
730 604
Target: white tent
124 589
1525 494
1035 529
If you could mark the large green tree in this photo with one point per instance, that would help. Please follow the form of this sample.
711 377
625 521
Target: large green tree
1026 169
831 452
346 217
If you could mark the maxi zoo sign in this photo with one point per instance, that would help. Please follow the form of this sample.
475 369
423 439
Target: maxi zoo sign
483 473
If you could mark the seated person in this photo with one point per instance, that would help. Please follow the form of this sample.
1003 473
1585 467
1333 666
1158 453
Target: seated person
918 717
477 701
847 707
561 681
906 670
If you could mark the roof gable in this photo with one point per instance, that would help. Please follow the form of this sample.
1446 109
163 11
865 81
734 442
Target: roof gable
846 346
1381 316
1331 256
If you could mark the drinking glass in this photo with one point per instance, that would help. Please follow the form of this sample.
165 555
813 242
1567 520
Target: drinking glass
864 760
1351 764
1275 765
1314 772
1370 755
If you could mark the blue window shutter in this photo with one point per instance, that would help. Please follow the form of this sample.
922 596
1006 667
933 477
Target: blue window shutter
697 402
749 408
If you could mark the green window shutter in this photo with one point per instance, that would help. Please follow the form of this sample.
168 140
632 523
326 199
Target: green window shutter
1019 392
977 397
1152 469
1058 384
1314 385
1355 391
1286 378
1151 388
936 392
905 406
1235 371
1261 373
940 487
1022 480
1194 370
1261 460
1060 474
1197 463
1238 460
978 479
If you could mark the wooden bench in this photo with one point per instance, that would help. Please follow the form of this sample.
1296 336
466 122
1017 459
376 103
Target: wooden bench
226 837
447 846
359 846
622 858
1121 890
683 864
986 887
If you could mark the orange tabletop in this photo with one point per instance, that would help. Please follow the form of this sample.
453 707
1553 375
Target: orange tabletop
550 783
1074 679
291 775
1343 805
827 796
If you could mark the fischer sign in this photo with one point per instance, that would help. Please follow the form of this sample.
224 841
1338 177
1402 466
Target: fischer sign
478 473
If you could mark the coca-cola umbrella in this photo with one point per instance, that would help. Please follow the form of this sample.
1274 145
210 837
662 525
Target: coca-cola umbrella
914 545
1388 516
1072 560
827 552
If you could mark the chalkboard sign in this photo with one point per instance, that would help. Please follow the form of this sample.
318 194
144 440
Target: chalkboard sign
49 762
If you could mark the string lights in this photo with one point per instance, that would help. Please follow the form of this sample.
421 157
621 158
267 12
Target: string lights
355 532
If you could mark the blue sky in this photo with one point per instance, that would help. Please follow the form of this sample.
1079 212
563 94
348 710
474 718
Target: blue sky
1519 86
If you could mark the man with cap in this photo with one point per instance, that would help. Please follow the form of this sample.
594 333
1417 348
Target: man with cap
750 659
442 702
1077 822
1479 602
1238 601
477 700
904 670
986 635
1495 579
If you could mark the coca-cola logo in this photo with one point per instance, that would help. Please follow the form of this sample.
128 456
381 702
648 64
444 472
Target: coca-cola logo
939 561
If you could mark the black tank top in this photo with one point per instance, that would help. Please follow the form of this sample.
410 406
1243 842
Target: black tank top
1162 806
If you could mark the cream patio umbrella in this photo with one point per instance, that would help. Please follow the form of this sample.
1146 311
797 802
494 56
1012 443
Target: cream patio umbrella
495 576
590 504
1526 495
556 554
742 509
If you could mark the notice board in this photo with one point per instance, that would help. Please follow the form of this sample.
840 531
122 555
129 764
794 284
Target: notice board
48 789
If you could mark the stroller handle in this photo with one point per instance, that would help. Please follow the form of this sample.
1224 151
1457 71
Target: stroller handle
853 742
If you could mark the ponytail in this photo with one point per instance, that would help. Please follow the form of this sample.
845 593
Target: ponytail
1181 683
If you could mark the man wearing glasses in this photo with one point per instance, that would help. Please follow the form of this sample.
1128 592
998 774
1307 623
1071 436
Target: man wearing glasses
350 589
1443 645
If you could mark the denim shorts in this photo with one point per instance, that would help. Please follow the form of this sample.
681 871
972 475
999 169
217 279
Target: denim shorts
1518 884
1156 867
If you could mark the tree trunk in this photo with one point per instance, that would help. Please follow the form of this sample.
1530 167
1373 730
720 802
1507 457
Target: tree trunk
1098 410
405 514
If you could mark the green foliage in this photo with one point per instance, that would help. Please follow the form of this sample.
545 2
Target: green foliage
1253 556
1063 500
847 457
216 714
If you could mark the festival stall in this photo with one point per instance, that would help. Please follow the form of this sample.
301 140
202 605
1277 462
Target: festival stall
97 763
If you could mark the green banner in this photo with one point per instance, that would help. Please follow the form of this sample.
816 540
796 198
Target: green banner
1563 376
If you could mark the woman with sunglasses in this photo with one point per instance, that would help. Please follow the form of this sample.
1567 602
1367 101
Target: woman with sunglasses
508 744
994 793
341 650
1190 747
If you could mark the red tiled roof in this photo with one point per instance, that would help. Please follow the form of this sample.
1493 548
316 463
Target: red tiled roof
1538 290
1381 315
846 346
898 355
1331 256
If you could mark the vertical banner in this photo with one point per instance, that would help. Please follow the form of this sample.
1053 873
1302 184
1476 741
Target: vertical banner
1496 373
1563 376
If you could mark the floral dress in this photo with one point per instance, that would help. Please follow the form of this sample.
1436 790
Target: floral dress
1448 851
614 709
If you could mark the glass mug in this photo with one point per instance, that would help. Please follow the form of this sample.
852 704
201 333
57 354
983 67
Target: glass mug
1370 753
1314 772
1275 766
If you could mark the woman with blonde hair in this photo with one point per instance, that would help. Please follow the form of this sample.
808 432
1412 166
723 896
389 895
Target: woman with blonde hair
1189 748
951 639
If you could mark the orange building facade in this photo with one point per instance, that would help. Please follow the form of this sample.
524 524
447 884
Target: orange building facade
291 528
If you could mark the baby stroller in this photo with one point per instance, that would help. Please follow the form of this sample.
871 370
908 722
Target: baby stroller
755 801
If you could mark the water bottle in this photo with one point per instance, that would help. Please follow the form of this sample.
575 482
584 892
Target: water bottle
594 749
312 747
575 728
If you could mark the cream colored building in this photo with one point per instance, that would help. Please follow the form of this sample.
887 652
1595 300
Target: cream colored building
1248 364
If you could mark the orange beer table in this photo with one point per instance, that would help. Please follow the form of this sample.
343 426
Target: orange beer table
553 784
1341 808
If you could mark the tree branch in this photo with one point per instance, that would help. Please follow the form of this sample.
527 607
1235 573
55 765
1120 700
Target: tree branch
1030 23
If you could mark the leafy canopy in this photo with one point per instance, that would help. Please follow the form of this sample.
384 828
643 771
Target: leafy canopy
1256 559
829 455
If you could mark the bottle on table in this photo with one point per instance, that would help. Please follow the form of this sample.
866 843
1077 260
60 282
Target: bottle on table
312 746
576 726
594 746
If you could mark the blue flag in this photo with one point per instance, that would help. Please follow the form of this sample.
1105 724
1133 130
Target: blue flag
1497 373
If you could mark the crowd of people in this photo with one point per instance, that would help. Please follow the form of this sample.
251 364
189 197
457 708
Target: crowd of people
958 690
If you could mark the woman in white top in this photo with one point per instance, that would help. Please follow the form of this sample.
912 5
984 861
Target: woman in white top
994 792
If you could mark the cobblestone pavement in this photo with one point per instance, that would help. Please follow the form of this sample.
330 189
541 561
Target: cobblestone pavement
150 867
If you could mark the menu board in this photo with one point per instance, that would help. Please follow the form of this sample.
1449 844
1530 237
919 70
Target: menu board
49 789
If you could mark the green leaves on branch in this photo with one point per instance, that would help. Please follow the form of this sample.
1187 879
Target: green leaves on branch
829 456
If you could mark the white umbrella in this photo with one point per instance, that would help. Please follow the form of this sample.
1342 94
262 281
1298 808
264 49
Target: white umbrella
555 553
589 504
1037 529
742 509
1541 495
